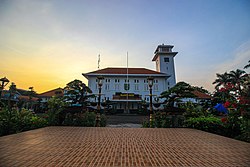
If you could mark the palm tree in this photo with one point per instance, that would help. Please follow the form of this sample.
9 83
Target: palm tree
237 78
222 80
248 65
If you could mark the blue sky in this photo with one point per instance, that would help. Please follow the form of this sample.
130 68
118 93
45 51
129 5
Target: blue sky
48 43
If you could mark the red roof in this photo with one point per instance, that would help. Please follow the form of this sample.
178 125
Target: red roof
111 70
27 98
53 92
201 95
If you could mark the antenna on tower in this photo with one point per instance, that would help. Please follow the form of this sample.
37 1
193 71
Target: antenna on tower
99 60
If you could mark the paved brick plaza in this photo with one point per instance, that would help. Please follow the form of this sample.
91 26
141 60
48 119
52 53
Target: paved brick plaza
77 146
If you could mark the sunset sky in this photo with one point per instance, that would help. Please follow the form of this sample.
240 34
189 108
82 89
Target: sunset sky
48 43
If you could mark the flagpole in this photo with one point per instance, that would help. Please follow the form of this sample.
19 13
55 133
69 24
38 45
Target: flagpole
127 86
98 64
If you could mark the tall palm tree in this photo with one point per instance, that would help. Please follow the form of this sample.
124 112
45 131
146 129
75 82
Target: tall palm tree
222 80
237 78
248 65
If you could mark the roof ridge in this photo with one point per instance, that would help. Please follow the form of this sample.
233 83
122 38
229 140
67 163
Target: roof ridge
123 70
50 90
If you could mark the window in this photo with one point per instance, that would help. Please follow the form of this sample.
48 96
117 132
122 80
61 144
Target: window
145 87
126 80
166 59
137 81
166 49
136 87
156 87
117 87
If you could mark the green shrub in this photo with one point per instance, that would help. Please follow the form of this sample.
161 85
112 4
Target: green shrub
38 122
209 124
145 124
193 110
245 130
55 106
87 119
69 120
162 120
103 122
8 122
166 123
14 121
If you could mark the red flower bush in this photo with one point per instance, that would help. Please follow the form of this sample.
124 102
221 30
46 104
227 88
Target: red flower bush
224 119
227 104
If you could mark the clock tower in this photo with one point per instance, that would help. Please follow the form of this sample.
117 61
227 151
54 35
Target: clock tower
164 59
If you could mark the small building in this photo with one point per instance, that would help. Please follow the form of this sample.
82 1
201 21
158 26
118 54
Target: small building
45 96
128 87
200 98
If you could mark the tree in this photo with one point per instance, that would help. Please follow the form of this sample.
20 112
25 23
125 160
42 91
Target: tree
12 92
56 106
222 80
77 92
237 78
248 65
180 90
31 93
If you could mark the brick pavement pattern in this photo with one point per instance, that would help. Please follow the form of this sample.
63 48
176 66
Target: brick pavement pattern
79 146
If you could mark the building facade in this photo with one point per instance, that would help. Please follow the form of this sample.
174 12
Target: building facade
128 87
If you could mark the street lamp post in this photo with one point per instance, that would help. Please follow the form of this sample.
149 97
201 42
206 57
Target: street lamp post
3 81
98 114
150 84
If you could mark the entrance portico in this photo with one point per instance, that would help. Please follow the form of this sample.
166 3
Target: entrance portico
126 102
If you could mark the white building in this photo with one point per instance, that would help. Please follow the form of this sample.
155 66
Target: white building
115 80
